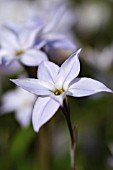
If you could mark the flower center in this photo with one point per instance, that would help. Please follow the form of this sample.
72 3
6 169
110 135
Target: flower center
58 92
20 52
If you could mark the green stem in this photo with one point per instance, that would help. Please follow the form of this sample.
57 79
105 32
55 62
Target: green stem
73 134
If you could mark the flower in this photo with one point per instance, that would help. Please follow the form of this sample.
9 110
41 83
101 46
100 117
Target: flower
11 12
97 58
21 106
59 48
58 44
54 83
19 45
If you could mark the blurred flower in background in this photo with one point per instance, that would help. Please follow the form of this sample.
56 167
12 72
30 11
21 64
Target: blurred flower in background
10 11
21 102
92 16
100 59
20 46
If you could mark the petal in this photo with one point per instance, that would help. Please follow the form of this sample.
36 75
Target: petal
9 102
43 110
39 44
59 98
23 116
68 71
54 37
34 86
47 71
6 56
33 57
86 86
55 20
5 60
27 37
8 39
60 44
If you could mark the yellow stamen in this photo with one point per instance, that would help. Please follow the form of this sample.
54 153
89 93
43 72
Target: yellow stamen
58 92
18 53
61 91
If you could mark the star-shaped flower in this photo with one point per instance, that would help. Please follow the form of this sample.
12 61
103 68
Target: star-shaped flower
54 83
19 45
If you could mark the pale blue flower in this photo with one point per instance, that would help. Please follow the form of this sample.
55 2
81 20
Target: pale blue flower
22 106
59 48
56 33
54 83
20 46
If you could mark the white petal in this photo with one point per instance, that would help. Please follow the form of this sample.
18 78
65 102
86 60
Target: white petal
39 44
61 43
8 39
10 102
54 22
6 60
47 71
35 86
28 36
23 116
43 110
54 37
86 86
68 71
33 57
7 56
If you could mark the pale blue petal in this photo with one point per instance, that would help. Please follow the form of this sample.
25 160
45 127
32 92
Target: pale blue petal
81 87
28 37
6 57
33 57
47 71
54 22
34 86
54 37
5 60
8 39
23 116
43 110
68 71
10 102
60 44
39 44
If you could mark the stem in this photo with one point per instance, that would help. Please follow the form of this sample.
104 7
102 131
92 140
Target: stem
73 134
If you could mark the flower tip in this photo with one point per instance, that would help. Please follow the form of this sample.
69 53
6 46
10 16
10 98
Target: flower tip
110 91
15 81
36 129
11 80
79 50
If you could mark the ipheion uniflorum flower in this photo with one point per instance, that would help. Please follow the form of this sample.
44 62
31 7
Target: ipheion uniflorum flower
54 83
20 46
